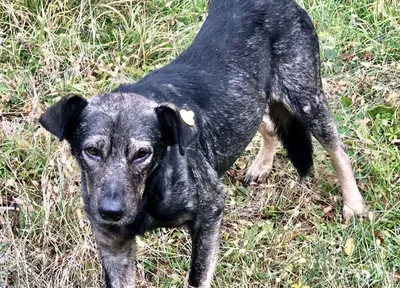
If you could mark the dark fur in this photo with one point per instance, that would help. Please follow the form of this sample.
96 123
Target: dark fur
248 58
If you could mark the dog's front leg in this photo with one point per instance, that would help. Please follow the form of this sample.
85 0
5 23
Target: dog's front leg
205 244
118 259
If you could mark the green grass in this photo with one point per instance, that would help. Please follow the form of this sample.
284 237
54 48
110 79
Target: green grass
275 234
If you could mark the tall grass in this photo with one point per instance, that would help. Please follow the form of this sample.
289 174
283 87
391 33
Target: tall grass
283 233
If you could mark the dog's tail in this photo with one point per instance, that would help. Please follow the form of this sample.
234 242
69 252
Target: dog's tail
295 137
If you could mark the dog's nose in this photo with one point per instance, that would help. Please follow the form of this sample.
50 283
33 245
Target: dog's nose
111 210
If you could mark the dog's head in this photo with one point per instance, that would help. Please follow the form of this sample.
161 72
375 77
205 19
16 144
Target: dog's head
118 140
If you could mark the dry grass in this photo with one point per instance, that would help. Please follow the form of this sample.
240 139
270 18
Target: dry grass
283 233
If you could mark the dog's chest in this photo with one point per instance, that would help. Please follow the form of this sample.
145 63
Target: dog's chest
169 196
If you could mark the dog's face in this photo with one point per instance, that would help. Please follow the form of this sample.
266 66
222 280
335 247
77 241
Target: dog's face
118 140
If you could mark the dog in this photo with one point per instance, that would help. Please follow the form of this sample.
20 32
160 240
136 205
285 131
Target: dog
152 154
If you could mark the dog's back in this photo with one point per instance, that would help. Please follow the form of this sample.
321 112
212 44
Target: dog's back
225 76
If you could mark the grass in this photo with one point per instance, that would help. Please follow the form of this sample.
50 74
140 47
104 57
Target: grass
283 233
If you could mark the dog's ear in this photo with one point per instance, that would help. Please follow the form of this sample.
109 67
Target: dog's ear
61 119
177 126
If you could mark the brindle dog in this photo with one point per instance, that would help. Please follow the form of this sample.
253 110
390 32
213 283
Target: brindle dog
152 153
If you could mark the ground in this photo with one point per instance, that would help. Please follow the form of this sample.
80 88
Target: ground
284 233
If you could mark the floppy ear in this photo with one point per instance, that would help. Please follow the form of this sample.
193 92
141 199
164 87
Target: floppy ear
174 130
61 119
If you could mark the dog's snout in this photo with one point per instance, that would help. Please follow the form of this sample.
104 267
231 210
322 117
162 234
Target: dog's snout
111 210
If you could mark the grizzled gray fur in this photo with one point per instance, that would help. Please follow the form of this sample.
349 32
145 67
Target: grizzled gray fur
253 65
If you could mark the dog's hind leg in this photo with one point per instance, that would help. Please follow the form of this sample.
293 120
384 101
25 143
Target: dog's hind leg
262 164
320 122
316 118
325 131
298 95
353 202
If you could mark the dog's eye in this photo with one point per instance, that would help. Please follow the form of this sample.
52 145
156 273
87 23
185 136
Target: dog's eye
93 151
142 153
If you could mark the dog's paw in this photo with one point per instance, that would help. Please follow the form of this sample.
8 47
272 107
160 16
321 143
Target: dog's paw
257 173
187 285
352 209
